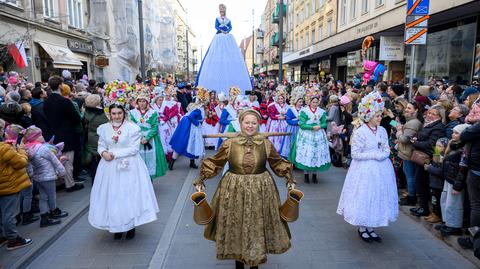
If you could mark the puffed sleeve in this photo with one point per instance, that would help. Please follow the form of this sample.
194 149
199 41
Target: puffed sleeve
280 166
133 146
102 143
303 119
212 166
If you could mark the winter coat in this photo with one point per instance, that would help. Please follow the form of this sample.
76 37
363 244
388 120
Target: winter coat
39 119
472 135
94 117
12 113
63 118
13 170
428 135
334 115
451 167
409 130
435 169
45 165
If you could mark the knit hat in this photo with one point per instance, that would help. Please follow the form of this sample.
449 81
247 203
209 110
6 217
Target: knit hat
345 100
65 91
460 128
32 133
66 74
422 101
398 89
424 90
12 132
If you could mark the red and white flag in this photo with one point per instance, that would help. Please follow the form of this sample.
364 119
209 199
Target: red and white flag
17 51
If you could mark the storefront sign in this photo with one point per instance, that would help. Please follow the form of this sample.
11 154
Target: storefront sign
368 28
391 48
303 52
342 61
101 61
79 46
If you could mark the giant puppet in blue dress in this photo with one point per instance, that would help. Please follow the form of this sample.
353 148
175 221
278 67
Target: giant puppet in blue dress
223 65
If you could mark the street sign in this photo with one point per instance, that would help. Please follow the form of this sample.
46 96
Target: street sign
416 36
418 7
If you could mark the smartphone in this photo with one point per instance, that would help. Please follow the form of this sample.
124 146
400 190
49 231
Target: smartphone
393 123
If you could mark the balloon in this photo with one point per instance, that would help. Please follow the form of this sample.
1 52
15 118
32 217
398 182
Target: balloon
379 70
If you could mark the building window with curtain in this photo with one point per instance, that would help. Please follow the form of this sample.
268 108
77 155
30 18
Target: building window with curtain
353 9
75 10
16 3
330 27
365 6
314 6
301 42
320 32
50 9
307 39
343 12
379 3
307 11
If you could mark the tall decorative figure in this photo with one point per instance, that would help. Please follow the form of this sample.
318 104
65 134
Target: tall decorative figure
223 65
369 197
247 225
310 150
122 196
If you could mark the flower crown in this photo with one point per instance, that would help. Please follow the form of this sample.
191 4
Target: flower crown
370 105
233 93
311 92
202 95
297 94
117 92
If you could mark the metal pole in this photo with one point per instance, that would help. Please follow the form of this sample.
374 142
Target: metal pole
253 43
188 60
280 44
142 45
412 73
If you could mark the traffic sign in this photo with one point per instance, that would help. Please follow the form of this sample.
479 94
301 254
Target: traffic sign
416 36
418 7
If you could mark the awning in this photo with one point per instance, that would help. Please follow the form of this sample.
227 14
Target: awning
62 57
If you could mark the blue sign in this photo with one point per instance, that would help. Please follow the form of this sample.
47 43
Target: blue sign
418 7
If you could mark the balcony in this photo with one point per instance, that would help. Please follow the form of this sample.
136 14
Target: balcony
276 13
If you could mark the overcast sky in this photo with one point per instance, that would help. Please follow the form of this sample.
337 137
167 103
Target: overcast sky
202 14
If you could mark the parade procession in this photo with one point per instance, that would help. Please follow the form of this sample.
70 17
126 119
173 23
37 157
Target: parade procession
239 134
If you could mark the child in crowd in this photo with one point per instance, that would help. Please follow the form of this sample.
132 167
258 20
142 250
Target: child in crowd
46 168
435 169
453 190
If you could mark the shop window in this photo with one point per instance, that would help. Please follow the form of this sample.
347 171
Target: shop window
50 9
343 12
365 6
353 9
75 16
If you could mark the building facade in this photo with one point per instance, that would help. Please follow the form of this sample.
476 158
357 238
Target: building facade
187 50
53 33
449 53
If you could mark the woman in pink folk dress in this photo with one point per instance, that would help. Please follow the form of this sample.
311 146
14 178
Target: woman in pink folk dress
172 112
277 118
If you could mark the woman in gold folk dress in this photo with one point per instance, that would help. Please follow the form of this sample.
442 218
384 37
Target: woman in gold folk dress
247 223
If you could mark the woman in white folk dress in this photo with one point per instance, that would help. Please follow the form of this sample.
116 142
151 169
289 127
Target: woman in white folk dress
122 196
369 197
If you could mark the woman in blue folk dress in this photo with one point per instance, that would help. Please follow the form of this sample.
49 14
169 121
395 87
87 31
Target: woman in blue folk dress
223 65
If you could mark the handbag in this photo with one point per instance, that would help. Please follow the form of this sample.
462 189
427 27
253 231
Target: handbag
420 158
289 210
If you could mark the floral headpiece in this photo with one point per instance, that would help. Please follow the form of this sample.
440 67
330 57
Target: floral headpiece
117 92
233 93
370 105
297 94
281 91
202 95
311 92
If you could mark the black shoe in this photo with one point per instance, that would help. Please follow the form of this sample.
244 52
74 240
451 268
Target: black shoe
18 242
75 187
171 163
239 265
365 236
446 231
421 212
46 221
130 234
193 165
28 218
465 242
314 179
307 178
117 236
438 227
58 214
408 201
375 237
3 241
414 209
